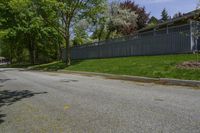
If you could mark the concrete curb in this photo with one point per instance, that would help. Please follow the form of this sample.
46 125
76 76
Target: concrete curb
163 81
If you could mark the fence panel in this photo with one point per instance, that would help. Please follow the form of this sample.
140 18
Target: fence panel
145 44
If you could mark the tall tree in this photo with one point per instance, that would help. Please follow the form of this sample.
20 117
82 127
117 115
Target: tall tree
24 28
80 32
143 16
69 12
122 20
101 24
165 15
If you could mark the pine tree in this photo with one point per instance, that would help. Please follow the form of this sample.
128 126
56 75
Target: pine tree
165 15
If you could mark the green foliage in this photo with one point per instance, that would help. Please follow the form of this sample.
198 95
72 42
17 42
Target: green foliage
38 29
153 21
81 33
100 31
64 15
26 33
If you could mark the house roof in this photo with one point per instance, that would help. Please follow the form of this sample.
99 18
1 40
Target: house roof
187 16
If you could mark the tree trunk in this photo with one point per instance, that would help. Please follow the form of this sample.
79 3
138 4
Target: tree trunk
108 35
100 34
37 54
11 54
68 51
59 52
32 51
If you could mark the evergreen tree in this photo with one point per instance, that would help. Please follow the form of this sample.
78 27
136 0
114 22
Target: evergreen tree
165 15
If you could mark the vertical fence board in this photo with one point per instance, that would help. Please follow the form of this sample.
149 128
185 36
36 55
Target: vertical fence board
176 41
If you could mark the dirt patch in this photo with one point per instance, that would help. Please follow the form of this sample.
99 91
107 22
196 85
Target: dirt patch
189 65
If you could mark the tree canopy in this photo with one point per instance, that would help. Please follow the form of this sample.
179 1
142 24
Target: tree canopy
25 31
143 16
67 13
39 28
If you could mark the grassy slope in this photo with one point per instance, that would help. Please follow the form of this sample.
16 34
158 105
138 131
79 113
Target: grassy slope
149 66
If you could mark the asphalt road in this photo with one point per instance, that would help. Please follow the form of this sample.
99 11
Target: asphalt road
38 102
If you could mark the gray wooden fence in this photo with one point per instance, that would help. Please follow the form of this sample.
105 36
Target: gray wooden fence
165 41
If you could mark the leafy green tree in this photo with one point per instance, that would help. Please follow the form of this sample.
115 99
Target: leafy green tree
80 33
25 29
153 20
69 12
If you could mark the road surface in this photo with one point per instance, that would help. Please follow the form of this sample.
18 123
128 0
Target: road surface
41 102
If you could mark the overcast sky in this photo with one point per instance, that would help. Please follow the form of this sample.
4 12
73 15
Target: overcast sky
173 6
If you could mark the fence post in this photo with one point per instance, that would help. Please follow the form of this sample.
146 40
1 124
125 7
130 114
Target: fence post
154 31
167 29
191 36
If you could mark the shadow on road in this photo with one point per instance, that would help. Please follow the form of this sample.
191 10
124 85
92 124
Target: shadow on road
10 97
68 81
1 116
4 80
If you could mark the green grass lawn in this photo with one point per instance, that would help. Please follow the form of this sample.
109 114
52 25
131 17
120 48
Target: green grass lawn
148 66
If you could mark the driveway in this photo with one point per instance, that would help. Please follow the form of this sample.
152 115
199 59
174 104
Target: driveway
41 102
